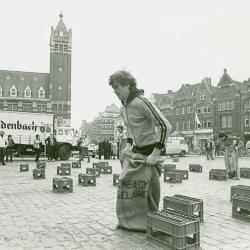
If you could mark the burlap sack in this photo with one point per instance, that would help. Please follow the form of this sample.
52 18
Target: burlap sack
138 191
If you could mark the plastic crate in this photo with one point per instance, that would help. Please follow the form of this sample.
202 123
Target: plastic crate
245 173
62 184
183 172
103 163
195 168
64 170
95 165
185 204
173 230
173 177
76 164
168 167
24 167
106 169
241 208
87 180
38 173
218 174
240 190
175 159
95 171
41 165
116 179
66 165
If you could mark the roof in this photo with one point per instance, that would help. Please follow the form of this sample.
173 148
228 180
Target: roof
163 100
23 79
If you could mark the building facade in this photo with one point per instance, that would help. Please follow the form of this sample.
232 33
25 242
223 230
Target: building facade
43 92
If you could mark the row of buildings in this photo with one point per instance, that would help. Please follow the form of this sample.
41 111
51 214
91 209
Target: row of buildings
196 111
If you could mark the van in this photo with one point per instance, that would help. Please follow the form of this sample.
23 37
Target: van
176 145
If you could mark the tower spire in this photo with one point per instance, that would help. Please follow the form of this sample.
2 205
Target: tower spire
61 15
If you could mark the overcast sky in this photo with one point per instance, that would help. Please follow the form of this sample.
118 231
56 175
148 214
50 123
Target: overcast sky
162 43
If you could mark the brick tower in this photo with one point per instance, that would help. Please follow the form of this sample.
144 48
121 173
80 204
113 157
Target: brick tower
60 73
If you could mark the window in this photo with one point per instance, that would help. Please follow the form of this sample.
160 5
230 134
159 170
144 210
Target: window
60 132
41 107
13 91
27 106
209 123
223 106
219 107
61 47
232 105
1 91
226 122
188 109
41 92
203 97
203 124
228 105
177 111
27 92
184 125
183 110
247 104
188 125
208 109
204 109
198 110
177 126
246 120
12 106
61 33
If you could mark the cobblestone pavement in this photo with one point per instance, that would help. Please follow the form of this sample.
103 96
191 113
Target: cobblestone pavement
33 217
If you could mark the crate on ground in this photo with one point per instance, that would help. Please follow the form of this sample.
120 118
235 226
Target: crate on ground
240 190
24 167
103 163
87 179
218 174
185 204
41 165
76 164
62 184
241 208
38 173
95 171
245 173
175 159
95 165
173 230
168 167
116 179
64 170
195 168
106 169
173 177
65 165
183 172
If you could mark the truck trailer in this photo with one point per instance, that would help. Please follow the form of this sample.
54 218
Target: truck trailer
24 126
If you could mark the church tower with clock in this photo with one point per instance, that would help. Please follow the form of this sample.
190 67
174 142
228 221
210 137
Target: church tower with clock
60 73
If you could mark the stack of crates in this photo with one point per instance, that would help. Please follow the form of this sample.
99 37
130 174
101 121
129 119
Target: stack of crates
62 184
38 173
87 180
95 171
64 169
173 177
24 168
195 168
41 165
173 230
168 167
218 174
240 196
76 164
116 179
245 173
185 204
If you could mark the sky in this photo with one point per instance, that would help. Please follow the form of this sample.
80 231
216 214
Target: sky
163 43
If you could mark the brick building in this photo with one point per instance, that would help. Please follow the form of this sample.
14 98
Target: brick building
43 92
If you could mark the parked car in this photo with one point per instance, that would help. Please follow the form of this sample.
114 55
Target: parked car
176 145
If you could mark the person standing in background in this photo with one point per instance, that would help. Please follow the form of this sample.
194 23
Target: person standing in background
37 147
9 148
3 144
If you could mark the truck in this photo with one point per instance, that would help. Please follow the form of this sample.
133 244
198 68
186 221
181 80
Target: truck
24 126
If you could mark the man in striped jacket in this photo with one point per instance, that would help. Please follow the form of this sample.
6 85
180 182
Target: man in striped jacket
147 127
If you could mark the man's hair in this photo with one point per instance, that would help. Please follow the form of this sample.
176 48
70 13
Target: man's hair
123 77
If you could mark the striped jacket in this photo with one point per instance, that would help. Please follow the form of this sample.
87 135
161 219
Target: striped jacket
146 125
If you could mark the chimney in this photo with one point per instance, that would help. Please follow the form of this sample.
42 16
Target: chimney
207 80
170 91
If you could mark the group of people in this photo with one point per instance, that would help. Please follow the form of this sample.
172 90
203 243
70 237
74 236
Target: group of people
107 149
6 148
